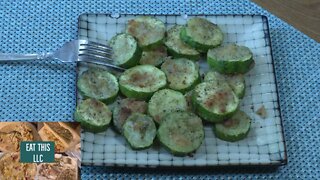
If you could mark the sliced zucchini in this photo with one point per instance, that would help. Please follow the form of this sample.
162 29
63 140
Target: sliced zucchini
142 81
233 129
181 132
126 52
214 101
201 34
139 131
124 109
93 115
177 48
154 57
98 84
182 74
166 101
230 59
236 82
149 31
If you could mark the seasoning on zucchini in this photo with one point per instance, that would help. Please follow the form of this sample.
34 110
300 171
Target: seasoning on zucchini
230 59
181 132
233 129
166 101
142 81
126 52
98 84
154 57
93 115
149 31
177 48
182 74
124 109
139 131
236 82
214 101
201 34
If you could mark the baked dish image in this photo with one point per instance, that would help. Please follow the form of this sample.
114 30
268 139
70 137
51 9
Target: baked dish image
64 168
65 136
11 168
11 133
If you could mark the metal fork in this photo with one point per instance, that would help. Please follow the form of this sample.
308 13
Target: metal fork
73 51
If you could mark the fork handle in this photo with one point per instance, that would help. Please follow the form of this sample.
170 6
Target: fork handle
24 57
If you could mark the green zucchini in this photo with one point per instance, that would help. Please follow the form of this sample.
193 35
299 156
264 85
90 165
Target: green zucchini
181 133
233 129
124 109
149 31
166 101
230 59
201 34
214 101
126 52
236 82
182 74
140 82
93 115
98 84
139 131
154 57
177 48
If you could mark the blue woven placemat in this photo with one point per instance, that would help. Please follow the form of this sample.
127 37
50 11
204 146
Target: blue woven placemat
46 90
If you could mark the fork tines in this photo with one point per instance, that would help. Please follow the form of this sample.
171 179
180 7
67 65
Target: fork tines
95 50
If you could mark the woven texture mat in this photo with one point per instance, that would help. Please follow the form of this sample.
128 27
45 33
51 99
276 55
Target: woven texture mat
46 90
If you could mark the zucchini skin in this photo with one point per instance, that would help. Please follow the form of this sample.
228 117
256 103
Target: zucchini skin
207 114
217 37
130 92
134 60
178 48
194 129
234 64
226 67
233 137
85 123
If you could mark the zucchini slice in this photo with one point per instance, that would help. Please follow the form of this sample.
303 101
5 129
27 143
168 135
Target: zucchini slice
126 52
236 82
93 115
139 131
182 74
230 59
233 129
201 34
214 101
166 101
149 31
98 84
142 81
124 109
177 48
154 57
181 133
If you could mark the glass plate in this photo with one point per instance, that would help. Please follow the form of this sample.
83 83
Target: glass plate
264 145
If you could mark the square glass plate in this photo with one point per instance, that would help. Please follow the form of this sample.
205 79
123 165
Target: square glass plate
264 145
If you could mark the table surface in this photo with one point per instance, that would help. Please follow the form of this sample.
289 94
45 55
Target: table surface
46 90
303 15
